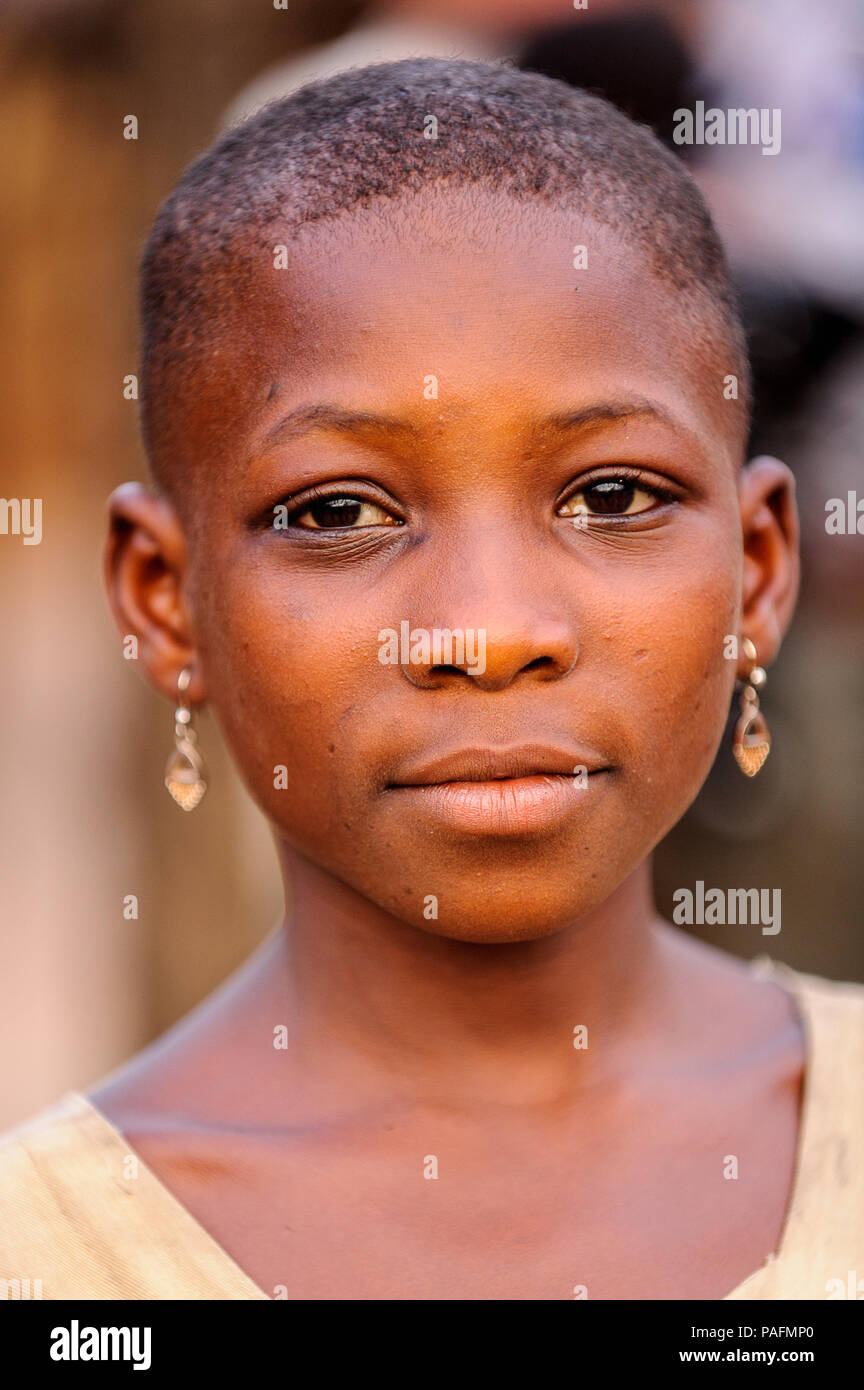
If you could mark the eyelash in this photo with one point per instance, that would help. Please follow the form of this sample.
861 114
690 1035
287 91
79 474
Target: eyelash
296 507
665 494
637 480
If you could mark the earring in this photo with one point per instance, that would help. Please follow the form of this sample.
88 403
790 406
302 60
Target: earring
185 773
752 741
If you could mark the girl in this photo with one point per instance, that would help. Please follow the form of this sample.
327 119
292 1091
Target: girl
445 398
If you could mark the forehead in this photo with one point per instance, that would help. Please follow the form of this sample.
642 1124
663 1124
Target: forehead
507 310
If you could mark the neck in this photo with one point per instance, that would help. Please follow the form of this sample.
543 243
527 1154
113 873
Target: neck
365 997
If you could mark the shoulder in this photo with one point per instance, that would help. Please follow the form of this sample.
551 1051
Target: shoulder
823 1239
832 1012
837 1003
39 1162
35 1152
832 1158
81 1216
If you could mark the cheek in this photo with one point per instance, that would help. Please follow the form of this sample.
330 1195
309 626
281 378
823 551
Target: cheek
673 681
288 681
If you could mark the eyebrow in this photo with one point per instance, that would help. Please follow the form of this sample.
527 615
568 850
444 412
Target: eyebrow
306 418
604 413
332 417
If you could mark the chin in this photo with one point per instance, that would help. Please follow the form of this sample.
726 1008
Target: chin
494 916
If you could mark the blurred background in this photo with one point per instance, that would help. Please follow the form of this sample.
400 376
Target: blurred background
85 820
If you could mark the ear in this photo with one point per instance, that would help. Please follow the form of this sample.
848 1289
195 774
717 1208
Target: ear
769 524
144 567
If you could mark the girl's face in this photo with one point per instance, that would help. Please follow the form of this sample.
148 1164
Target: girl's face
456 431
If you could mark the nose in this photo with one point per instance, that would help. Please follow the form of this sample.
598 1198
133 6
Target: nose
498 618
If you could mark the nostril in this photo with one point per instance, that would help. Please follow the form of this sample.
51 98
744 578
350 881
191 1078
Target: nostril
445 671
539 664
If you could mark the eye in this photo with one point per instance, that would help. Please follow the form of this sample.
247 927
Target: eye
611 497
346 513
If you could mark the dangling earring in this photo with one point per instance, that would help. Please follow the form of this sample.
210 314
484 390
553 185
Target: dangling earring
185 773
752 742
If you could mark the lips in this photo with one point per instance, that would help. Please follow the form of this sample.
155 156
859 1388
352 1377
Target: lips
527 789
494 764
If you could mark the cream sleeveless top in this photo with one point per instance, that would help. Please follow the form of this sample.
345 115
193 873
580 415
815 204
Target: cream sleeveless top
72 1219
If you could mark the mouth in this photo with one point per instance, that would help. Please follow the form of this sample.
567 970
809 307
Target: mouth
528 789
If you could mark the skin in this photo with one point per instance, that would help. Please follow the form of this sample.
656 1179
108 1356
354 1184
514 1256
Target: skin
409 1035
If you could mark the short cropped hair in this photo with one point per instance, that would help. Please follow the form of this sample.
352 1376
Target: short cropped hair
358 137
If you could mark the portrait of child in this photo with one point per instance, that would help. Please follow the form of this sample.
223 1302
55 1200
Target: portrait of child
453 528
